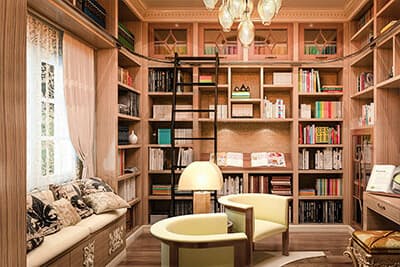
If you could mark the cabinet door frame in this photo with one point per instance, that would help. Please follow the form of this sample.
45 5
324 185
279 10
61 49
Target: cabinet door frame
214 26
286 26
321 26
170 26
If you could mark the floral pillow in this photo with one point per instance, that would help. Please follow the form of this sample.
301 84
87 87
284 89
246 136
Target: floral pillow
43 213
105 201
34 235
67 214
71 192
94 185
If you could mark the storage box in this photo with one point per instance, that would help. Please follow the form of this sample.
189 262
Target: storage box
164 136
282 78
242 110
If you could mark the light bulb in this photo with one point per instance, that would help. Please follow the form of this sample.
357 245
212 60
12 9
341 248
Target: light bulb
266 10
236 8
246 32
210 4
225 17
278 4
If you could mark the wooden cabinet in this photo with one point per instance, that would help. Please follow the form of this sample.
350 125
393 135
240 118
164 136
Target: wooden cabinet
274 42
320 41
165 39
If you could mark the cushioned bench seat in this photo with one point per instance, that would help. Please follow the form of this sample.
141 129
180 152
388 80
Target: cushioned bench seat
56 244
96 222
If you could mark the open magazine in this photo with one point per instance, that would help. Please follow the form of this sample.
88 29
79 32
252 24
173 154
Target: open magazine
384 179
268 159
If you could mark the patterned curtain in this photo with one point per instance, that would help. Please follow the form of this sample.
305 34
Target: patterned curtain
50 155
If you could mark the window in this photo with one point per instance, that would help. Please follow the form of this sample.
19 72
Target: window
51 157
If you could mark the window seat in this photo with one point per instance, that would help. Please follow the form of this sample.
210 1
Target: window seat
94 240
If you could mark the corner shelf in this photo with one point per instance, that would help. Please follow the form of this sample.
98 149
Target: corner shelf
128 118
128 176
127 87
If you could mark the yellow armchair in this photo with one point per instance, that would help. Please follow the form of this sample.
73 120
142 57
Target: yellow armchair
200 240
259 216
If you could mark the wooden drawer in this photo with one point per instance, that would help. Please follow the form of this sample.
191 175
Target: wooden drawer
383 207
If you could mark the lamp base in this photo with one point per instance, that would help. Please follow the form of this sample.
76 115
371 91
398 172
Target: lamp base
201 202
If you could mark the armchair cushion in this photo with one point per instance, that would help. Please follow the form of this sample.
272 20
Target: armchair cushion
265 229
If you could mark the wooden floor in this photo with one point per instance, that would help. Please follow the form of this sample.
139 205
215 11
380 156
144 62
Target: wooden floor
145 251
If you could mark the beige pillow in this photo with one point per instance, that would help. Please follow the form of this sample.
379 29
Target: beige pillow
67 214
105 201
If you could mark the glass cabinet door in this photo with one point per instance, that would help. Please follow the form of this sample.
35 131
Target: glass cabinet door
166 39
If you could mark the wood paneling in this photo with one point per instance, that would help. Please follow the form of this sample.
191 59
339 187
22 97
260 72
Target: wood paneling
12 132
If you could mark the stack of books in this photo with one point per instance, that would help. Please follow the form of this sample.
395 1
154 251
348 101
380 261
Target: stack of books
205 79
281 185
159 189
240 94
124 76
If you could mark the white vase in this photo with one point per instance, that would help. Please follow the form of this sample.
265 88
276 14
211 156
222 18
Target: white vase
133 137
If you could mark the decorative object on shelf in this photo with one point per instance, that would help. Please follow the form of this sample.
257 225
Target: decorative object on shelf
133 137
202 177
241 10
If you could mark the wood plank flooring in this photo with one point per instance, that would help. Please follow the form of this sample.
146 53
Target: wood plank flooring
145 251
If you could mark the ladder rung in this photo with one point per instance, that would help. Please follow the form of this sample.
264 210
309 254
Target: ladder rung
194 110
194 138
198 84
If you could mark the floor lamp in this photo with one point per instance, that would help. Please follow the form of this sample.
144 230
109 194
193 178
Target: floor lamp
201 177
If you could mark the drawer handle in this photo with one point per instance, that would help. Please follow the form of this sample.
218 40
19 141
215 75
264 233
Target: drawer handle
382 207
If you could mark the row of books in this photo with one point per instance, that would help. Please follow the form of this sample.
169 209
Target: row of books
183 133
366 16
125 37
364 81
222 112
320 211
128 103
309 82
275 110
227 49
276 50
124 76
367 115
311 134
279 185
164 112
328 109
305 111
312 49
93 10
162 48
127 189
183 207
327 159
160 159
160 189
162 80
232 185
324 187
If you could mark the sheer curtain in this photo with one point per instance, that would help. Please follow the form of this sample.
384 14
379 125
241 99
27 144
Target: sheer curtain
50 155
79 89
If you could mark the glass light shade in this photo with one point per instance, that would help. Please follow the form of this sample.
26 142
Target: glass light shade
246 32
225 18
210 4
249 9
201 175
278 4
236 8
266 10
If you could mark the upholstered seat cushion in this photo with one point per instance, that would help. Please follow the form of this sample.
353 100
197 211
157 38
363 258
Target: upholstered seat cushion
97 221
55 244
263 229
378 241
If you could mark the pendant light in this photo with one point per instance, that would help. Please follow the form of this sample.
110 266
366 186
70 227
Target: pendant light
246 31
266 10
210 4
236 8
225 17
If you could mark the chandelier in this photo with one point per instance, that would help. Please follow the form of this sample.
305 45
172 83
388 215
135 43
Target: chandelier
241 10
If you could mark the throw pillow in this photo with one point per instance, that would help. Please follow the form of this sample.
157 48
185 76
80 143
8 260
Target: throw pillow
71 192
67 214
94 185
43 213
105 201
34 237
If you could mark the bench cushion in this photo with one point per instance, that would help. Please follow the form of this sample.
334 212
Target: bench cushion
55 244
98 221
378 241
263 229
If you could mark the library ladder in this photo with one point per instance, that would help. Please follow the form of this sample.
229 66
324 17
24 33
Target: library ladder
194 61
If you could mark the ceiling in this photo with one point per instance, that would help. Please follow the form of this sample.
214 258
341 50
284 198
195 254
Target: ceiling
289 4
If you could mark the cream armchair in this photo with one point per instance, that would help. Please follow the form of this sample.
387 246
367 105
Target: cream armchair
200 240
259 216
